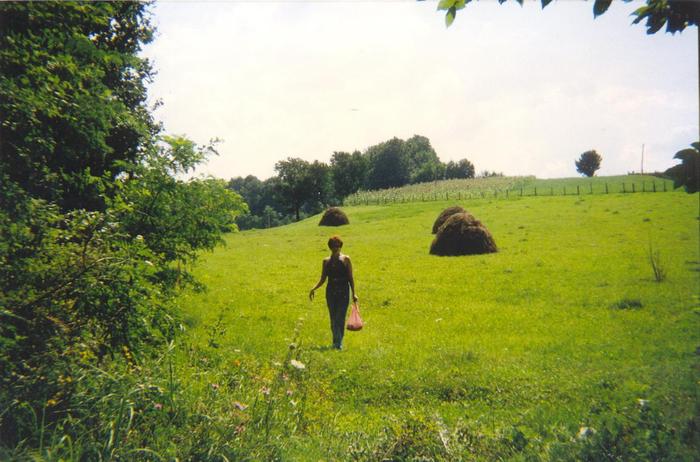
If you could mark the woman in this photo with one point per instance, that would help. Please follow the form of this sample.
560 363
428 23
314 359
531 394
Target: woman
338 269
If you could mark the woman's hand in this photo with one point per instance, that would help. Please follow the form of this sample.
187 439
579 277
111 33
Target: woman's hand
354 298
311 294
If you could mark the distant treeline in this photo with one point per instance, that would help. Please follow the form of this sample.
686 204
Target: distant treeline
302 188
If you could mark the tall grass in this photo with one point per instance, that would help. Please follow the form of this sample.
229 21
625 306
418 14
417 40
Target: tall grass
527 354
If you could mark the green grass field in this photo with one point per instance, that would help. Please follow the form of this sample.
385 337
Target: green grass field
503 356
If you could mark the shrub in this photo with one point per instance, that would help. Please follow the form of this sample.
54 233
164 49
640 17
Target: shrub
334 217
462 234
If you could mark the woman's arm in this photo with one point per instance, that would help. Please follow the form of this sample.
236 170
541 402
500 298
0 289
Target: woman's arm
351 278
320 281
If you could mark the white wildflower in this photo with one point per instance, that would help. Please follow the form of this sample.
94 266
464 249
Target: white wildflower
297 364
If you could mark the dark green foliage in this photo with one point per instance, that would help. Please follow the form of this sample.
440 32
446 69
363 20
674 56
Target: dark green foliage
96 229
627 304
687 173
176 218
263 203
639 434
675 14
349 172
460 169
588 163
334 217
423 162
303 185
389 165
72 96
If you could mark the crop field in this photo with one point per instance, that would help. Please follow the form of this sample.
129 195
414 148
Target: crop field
564 345
506 187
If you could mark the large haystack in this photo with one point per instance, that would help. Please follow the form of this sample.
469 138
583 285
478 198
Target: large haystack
462 234
447 213
334 217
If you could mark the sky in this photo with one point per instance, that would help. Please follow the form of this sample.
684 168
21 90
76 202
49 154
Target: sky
515 89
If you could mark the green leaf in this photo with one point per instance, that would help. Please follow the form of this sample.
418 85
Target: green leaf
600 7
446 4
450 16
459 4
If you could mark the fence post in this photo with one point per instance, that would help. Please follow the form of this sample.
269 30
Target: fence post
578 190
633 188
507 195
606 187
565 190
624 190
521 191
551 190
654 184
591 187
665 185
535 190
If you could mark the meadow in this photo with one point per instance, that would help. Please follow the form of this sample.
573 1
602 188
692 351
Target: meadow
561 346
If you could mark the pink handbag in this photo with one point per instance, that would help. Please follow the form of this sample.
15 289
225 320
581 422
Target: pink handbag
354 321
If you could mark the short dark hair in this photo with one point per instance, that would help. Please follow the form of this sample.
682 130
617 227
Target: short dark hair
335 241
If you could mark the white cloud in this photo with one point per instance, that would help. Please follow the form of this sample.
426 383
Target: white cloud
514 89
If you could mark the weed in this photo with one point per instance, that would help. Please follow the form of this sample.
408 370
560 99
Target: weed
656 264
627 304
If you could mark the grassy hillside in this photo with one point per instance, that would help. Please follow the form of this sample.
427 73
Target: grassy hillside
559 345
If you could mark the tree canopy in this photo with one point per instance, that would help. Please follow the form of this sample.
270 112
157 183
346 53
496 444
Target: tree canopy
97 226
72 96
676 15
588 163
687 173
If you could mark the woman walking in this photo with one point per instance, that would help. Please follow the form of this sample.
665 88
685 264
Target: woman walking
337 268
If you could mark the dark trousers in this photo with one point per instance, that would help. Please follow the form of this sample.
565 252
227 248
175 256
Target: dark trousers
337 299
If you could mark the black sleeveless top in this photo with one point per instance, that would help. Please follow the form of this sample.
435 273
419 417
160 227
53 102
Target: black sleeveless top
336 270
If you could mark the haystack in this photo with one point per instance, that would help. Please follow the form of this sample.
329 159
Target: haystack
445 214
334 217
462 234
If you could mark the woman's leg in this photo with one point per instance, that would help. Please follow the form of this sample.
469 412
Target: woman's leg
337 310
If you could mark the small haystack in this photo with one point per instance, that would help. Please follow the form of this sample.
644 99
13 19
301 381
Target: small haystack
462 234
334 217
445 214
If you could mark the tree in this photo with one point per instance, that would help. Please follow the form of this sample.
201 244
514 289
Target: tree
430 171
348 172
687 173
295 185
389 166
588 163
321 192
72 96
96 223
423 162
461 169
675 14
